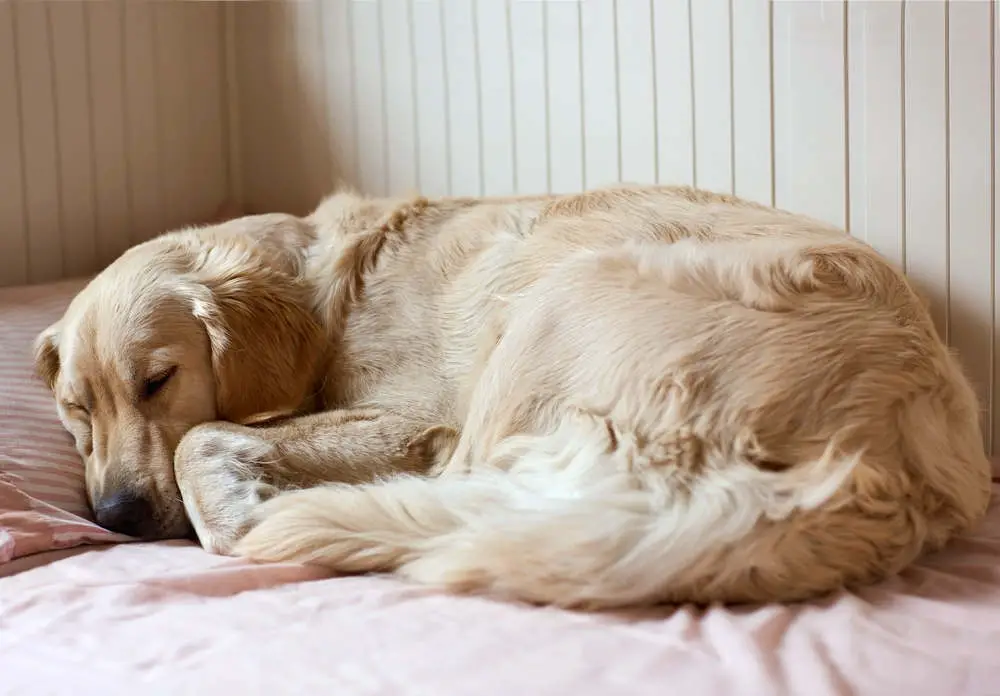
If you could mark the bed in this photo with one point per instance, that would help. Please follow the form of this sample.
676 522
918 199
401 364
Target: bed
83 614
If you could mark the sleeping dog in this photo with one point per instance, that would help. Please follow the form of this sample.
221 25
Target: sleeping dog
629 396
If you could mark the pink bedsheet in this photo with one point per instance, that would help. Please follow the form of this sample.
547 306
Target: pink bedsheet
170 619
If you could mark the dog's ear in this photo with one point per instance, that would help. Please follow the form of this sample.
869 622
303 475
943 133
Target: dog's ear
46 348
265 342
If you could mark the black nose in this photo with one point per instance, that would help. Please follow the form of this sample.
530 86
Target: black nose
125 512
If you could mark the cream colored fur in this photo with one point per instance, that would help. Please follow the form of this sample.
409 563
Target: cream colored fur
628 396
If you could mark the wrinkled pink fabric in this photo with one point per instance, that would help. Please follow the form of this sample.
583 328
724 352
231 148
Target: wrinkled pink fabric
43 504
168 618
42 501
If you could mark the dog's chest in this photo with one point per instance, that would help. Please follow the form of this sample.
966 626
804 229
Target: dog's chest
391 357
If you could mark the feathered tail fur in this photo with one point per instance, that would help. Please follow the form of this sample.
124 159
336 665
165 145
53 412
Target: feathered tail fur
557 519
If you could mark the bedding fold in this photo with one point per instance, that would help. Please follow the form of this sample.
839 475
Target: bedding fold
168 618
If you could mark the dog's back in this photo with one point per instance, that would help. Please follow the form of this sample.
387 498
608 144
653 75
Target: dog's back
663 394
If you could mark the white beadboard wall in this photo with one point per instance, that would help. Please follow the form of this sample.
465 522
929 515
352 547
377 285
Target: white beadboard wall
121 119
112 128
878 116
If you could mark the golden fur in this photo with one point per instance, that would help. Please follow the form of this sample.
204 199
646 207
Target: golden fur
631 395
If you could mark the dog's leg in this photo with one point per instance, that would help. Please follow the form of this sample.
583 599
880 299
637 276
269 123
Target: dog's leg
224 471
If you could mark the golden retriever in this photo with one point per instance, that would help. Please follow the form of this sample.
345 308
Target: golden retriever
627 396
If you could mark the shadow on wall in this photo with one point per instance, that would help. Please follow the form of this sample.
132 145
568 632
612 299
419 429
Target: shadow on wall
950 314
289 161
313 116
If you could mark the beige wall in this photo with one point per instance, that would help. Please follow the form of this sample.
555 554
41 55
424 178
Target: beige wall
111 128
118 121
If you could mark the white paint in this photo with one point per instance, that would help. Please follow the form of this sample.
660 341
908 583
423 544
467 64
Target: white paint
711 71
111 129
971 190
876 134
121 119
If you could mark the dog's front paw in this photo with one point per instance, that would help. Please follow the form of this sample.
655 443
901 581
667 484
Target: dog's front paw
219 469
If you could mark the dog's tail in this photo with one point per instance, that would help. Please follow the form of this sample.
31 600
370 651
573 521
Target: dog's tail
557 519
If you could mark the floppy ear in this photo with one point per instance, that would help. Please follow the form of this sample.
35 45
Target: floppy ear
266 344
46 349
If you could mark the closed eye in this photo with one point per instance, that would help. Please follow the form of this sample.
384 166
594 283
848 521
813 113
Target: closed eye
76 408
152 386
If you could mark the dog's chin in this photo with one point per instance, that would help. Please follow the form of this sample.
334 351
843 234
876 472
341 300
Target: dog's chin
177 529
171 522
174 532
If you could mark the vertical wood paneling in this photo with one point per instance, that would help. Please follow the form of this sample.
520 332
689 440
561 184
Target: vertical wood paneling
104 108
108 116
926 168
994 409
255 116
809 109
711 71
675 144
400 106
172 53
496 97
70 69
369 93
283 51
40 140
142 120
13 216
600 92
637 101
207 110
876 132
531 112
282 46
119 119
460 29
565 104
432 99
231 125
339 89
751 61
303 46
970 178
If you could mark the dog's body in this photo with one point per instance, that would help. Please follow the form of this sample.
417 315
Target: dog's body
627 396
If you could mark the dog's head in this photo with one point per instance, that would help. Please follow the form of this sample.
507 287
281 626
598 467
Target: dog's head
198 325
